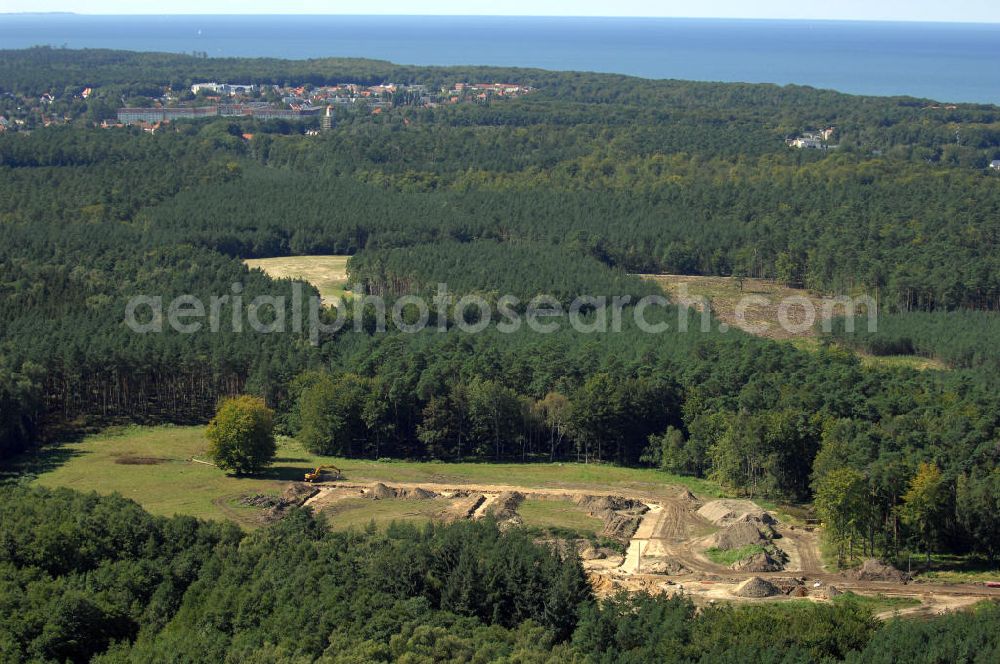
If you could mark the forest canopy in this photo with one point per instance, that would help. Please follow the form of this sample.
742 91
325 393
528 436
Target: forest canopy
570 190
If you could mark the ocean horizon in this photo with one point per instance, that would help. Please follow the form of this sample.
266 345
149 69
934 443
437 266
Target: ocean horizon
948 62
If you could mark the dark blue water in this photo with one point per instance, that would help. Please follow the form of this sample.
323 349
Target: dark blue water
947 62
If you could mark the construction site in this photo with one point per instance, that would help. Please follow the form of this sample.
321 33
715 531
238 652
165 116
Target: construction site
659 544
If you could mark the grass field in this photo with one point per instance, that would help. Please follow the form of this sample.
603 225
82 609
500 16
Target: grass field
724 294
730 556
357 513
167 483
327 273
560 516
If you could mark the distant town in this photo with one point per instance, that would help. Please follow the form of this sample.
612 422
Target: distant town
245 100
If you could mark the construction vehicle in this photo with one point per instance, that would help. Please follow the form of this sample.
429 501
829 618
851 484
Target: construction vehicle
315 475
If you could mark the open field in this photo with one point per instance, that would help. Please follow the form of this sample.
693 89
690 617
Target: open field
762 318
167 483
327 273
758 317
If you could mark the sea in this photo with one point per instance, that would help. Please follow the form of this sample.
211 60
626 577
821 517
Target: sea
947 62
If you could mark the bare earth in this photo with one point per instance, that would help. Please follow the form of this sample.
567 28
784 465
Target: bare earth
673 536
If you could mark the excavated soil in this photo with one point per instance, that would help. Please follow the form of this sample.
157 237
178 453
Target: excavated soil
504 509
379 491
684 495
621 516
876 570
298 493
760 562
757 587
463 506
665 566
743 533
418 494
276 507
506 504
260 500
596 504
620 526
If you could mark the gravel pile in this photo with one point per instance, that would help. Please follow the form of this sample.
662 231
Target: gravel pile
741 534
756 587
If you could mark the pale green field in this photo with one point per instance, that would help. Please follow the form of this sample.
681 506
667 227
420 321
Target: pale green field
327 273
175 485
560 515
357 513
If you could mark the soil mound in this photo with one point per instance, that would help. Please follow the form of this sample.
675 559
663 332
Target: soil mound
876 570
724 512
598 504
741 534
298 493
756 587
419 494
504 510
379 491
620 526
686 496
260 500
463 507
764 518
759 562
665 566
833 591
506 504
277 507
621 515
799 591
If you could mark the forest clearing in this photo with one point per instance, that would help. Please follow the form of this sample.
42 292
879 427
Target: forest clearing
327 273
167 483
634 529
761 318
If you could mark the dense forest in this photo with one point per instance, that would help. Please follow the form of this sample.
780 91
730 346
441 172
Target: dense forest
567 191
118 585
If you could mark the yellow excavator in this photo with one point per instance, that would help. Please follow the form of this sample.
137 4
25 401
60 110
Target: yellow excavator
315 475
